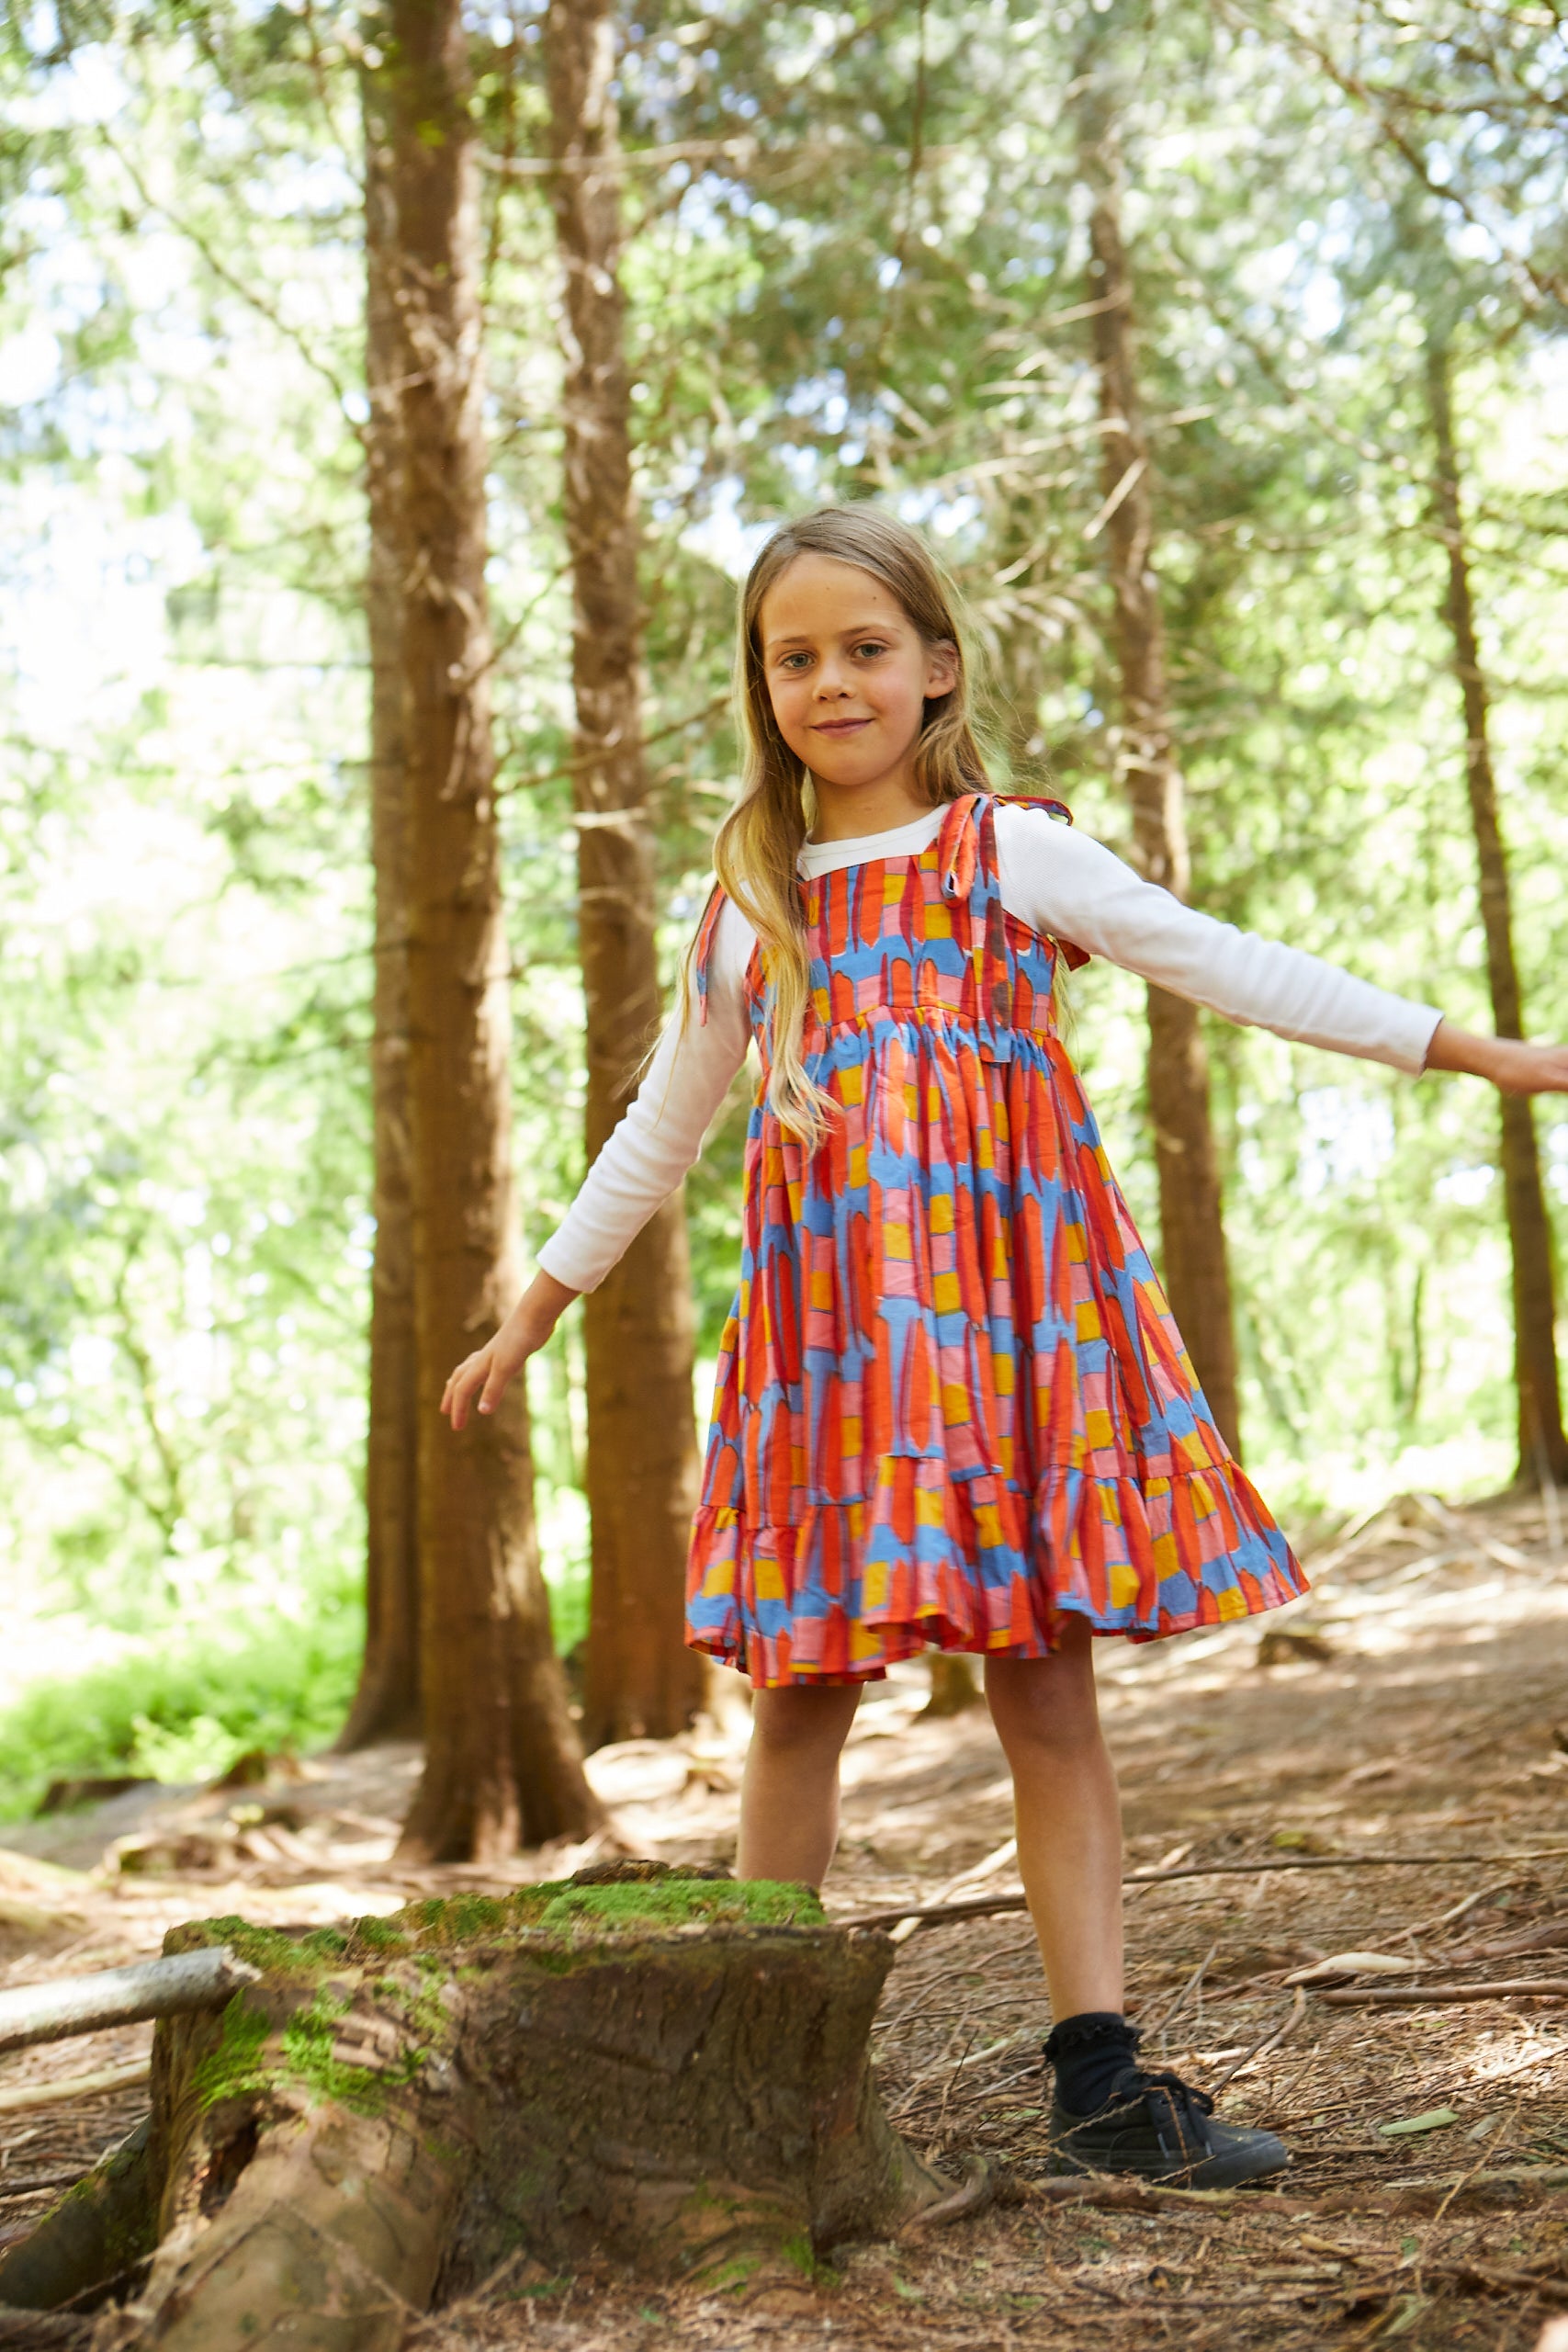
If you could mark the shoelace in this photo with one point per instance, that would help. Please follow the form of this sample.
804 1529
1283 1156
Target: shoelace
1182 2102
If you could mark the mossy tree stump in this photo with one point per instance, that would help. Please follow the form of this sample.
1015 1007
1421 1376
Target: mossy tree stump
665 2069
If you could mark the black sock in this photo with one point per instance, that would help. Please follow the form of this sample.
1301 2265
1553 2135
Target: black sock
1089 2053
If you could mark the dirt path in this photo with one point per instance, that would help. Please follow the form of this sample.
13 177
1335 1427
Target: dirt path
1423 1720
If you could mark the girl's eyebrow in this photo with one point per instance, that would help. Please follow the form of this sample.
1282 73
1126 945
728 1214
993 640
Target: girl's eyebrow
804 636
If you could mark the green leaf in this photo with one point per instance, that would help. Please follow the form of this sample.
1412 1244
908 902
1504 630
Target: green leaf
1410 2310
1433 2120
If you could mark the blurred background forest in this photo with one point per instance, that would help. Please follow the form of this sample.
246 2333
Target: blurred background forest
846 253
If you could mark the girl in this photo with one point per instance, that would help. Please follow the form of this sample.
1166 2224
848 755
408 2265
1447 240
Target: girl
952 1406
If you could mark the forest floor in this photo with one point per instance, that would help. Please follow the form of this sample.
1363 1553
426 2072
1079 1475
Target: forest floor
1420 1710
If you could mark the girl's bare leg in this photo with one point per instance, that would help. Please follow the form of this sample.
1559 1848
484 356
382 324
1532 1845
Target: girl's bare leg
1069 1819
789 1797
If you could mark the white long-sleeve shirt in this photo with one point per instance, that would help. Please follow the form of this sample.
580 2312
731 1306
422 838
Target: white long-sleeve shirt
1059 883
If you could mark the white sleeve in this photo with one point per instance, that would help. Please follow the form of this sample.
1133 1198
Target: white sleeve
663 1132
1063 884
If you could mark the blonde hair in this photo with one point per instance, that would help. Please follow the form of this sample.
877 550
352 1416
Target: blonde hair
759 843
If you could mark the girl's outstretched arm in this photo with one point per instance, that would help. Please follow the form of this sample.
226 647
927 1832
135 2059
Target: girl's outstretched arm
1510 1063
1070 886
491 1369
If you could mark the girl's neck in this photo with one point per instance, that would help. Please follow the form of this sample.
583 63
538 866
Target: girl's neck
880 807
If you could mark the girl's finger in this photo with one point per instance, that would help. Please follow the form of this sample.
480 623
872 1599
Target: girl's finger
462 1385
496 1387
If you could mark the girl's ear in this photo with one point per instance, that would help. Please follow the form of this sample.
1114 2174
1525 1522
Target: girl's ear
942 670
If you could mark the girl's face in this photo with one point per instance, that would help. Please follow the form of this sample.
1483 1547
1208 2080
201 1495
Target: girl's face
849 676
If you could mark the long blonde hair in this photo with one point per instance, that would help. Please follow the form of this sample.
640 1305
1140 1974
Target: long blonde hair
759 843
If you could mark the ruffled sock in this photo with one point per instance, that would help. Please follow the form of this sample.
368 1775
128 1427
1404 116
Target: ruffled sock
1088 2052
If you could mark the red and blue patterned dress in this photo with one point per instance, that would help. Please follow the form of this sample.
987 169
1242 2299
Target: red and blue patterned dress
952 1406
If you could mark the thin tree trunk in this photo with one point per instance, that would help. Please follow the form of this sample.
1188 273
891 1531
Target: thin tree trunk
387 1703
503 1763
1197 1267
1543 1447
641 1680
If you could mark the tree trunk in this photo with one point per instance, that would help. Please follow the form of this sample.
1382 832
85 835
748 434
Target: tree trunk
1543 1447
670 2073
640 1680
503 1763
386 1705
1196 1266
955 1686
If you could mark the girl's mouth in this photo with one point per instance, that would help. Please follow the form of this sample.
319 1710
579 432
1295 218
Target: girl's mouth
838 726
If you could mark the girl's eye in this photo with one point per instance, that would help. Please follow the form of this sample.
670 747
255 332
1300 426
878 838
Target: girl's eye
872 645
790 660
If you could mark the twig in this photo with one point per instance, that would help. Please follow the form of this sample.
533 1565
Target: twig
1162 2021
1117 2194
104 2078
1463 2181
954 2067
976 1872
149 1988
1415 1996
1499 2281
985 1906
1270 2041
43 2327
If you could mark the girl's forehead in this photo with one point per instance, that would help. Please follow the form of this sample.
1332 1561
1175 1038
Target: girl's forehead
818 595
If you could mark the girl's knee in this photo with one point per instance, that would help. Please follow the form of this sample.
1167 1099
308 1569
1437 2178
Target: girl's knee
803 1721
1046 1703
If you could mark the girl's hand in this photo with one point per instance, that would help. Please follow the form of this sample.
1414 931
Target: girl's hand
1511 1064
1529 1069
489 1373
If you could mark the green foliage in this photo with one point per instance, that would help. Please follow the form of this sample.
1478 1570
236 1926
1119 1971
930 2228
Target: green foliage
856 265
257 1684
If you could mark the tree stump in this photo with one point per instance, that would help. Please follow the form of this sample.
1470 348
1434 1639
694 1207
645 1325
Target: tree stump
666 2069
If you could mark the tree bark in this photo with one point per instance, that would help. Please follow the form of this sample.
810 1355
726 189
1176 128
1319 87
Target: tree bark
387 1703
1196 1263
670 2073
503 1763
640 1680
1543 1447
102 2230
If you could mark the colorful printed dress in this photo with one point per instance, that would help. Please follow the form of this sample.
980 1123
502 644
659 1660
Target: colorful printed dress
952 1405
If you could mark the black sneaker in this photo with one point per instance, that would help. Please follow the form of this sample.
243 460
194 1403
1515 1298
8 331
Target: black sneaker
1157 2127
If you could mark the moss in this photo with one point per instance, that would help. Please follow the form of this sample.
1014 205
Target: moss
233 2069
423 2002
254 2058
680 1903
673 1898
731 2276
379 1935
264 1948
458 1918
308 2042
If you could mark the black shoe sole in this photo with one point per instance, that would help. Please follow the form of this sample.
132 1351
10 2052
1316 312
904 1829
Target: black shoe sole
1226 2168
